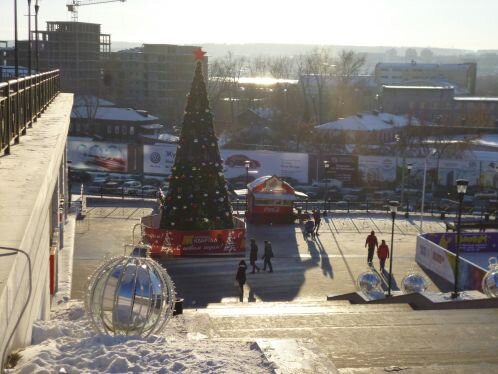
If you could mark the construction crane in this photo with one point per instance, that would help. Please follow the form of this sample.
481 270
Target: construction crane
73 5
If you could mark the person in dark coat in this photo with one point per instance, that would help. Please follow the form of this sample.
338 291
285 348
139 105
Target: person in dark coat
241 278
317 219
253 256
372 243
382 254
267 256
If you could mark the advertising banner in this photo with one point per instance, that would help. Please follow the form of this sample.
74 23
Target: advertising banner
442 262
343 168
193 243
158 159
451 170
375 169
469 242
87 154
281 164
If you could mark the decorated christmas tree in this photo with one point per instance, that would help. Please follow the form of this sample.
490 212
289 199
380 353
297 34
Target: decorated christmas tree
197 198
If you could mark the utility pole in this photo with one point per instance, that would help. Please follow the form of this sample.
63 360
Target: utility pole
16 42
37 57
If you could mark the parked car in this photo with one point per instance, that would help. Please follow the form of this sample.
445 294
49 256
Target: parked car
131 187
150 191
111 188
79 176
100 178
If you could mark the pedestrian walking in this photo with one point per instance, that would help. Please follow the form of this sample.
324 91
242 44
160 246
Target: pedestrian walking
267 256
317 219
253 256
241 278
382 254
372 243
309 227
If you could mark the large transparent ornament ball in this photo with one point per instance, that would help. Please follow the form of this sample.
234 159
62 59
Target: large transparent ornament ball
130 295
414 283
490 283
371 285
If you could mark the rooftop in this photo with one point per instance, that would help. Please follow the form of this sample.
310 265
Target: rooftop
369 122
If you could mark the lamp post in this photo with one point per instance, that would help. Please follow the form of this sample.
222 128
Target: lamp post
16 42
431 153
409 168
393 207
37 56
461 191
326 166
29 37
247 165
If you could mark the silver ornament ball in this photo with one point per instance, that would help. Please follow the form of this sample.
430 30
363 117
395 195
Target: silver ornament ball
414 283
371 285
490 283
130 295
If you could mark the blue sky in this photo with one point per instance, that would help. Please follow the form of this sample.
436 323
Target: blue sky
467 24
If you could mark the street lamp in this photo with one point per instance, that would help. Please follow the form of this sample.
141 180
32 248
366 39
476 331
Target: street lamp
431 153
16 42
326 166
393 207
461 191
29 37
37 57
409 168
247 165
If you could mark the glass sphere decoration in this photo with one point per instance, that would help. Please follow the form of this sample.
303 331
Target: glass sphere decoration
414 282
130 295
371 285
490 279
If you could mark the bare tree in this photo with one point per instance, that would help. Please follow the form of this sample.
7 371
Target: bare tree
281 67
348 66
315 70
258 66
224 75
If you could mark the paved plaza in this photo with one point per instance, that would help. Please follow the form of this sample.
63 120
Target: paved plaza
286 312
305 269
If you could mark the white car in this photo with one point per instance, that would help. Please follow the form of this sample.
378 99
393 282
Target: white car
132 187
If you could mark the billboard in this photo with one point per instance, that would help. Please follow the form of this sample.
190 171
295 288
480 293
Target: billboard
158 159
343 168
375 169
281 164
87 154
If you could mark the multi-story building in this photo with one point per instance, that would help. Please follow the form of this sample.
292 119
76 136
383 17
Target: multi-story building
440 105
460 76
156 77
76 48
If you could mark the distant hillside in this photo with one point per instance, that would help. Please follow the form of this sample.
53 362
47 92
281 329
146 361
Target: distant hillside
252 50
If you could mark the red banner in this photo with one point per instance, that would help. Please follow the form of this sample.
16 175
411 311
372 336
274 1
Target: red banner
195 243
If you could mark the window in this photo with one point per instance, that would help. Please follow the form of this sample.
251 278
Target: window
132 130
116 130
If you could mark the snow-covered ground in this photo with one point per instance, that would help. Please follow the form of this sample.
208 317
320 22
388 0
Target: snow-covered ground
68 342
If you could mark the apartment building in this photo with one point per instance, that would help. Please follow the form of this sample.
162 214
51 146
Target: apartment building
156 77
460 76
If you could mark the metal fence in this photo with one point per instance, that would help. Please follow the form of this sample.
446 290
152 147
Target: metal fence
22 101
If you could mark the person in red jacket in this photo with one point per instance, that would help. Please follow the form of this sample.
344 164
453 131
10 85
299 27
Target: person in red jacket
372 243
382 254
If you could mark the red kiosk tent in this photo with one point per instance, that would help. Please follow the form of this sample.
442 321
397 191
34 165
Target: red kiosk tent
271 200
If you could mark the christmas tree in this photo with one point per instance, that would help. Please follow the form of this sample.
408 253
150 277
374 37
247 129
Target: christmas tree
197 198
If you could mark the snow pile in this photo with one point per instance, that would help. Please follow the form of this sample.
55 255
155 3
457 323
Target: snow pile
67 341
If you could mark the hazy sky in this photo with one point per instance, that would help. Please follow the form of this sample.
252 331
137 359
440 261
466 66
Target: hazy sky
467 24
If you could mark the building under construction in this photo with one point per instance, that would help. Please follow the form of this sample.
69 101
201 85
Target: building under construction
78 49
156 77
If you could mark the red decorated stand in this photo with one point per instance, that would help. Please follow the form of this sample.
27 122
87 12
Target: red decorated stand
270 200
225 242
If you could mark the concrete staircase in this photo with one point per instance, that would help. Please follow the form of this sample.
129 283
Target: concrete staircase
315 336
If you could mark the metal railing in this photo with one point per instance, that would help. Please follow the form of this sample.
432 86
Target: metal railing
22 101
